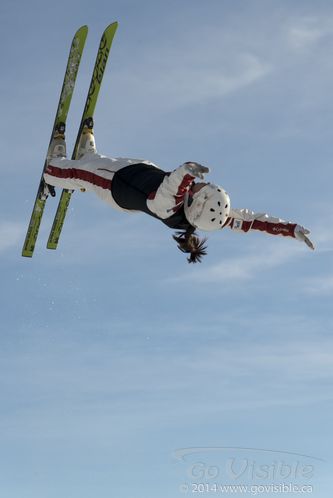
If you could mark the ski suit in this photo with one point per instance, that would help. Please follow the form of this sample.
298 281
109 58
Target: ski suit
139 185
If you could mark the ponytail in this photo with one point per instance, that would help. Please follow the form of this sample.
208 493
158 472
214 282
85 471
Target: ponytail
189 242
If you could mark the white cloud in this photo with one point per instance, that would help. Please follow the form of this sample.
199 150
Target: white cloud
250 69
243 267
193 71
308 31
196 84
302 37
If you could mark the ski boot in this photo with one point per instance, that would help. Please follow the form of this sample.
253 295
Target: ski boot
58 145
57 149
87 140
46 190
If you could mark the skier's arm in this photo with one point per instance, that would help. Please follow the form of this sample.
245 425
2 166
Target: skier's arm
169 196
245 220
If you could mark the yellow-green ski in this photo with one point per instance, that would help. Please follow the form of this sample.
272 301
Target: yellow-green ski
96 81
66 94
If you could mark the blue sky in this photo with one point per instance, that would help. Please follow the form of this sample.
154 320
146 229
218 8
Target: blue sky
115 353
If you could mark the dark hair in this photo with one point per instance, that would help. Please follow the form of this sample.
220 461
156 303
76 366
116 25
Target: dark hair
189 242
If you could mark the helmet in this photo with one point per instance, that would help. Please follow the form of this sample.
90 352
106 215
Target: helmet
209 209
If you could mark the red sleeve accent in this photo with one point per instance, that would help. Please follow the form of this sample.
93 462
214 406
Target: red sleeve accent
285 229
182 189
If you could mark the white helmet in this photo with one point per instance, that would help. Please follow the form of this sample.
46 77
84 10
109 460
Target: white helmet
209 209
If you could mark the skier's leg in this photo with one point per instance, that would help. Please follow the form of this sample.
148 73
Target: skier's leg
63 173
91 173
57 149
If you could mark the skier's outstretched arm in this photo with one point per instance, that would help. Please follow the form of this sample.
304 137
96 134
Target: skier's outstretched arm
245 220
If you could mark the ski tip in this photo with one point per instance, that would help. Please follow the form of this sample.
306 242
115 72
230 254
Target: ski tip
82 30
113 25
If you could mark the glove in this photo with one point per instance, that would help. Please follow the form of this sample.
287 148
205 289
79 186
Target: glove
301 234
196 169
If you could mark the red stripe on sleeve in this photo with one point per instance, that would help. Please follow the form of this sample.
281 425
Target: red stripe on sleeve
285 229
182 189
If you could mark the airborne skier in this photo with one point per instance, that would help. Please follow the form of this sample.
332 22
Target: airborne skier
175 198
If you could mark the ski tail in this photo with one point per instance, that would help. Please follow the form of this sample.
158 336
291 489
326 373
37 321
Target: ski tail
88 112
65 98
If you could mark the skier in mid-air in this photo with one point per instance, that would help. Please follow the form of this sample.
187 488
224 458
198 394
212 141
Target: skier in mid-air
174 197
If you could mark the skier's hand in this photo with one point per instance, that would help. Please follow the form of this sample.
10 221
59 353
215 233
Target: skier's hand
196 169
301 234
